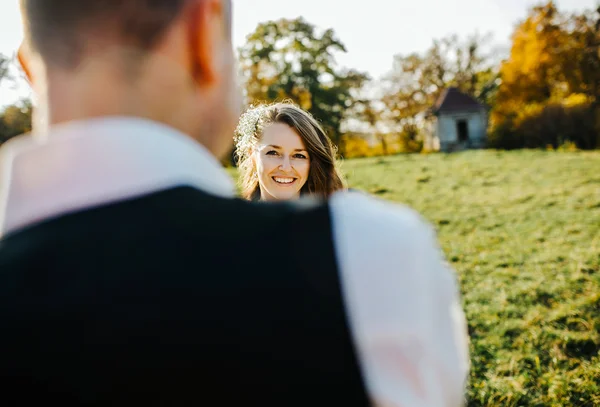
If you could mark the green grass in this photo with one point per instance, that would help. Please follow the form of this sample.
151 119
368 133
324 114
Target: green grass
522 230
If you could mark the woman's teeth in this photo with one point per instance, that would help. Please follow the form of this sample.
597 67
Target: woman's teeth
280 180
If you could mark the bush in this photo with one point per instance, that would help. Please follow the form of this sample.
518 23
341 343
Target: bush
356 146
573 120
15 120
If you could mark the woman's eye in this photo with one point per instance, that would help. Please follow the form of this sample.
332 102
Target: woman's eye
271 152
301 156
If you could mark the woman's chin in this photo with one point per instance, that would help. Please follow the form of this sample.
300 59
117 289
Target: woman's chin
285 194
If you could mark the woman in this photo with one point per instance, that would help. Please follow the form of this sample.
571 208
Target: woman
283 153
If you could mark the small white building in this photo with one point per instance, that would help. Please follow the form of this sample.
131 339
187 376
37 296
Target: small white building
460 123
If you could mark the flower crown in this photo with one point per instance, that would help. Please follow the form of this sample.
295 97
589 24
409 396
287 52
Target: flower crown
247 127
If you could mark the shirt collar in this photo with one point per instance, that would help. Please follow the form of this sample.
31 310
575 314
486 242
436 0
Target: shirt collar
93 162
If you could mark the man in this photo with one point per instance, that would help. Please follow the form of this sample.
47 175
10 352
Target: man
130 275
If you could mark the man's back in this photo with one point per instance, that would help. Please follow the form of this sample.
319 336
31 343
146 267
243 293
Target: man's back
130 274
177 297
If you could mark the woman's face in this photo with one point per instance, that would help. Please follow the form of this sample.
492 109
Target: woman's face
282 163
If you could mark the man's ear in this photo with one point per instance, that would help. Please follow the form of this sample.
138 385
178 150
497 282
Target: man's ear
24 61
207 29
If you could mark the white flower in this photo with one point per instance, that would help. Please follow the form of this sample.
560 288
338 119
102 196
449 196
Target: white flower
246 130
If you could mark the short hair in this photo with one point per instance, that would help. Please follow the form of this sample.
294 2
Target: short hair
61 30
324 177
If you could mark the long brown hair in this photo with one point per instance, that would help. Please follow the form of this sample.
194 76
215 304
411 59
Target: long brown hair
324 177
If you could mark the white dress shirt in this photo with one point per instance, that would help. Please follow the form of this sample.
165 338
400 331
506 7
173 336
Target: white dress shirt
402 301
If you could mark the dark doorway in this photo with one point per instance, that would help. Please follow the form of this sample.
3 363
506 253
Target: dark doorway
462 130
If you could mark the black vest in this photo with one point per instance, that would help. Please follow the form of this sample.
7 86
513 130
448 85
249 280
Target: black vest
177 298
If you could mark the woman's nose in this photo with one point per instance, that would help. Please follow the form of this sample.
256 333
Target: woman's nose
286 164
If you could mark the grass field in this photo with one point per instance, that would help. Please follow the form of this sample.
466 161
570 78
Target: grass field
522 230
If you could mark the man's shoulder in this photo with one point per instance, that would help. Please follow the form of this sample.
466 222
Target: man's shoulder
358 212
373 235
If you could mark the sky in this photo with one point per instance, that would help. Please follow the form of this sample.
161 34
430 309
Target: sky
373 31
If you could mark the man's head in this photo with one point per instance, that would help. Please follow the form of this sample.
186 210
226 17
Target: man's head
167 60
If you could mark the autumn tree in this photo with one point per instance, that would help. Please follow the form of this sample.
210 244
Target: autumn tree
584 54
550 82
291 59
533 73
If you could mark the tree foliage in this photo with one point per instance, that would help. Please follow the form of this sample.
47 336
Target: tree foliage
5 64
291 59
550 84
417 80
15 120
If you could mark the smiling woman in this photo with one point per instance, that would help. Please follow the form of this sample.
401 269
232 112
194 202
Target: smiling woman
283 153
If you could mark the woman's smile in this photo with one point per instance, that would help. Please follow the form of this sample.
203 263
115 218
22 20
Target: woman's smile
284 181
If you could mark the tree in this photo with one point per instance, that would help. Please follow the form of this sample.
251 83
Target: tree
584 54
533 72
15 120
550 83
5 63
417 80
369 112
290 59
